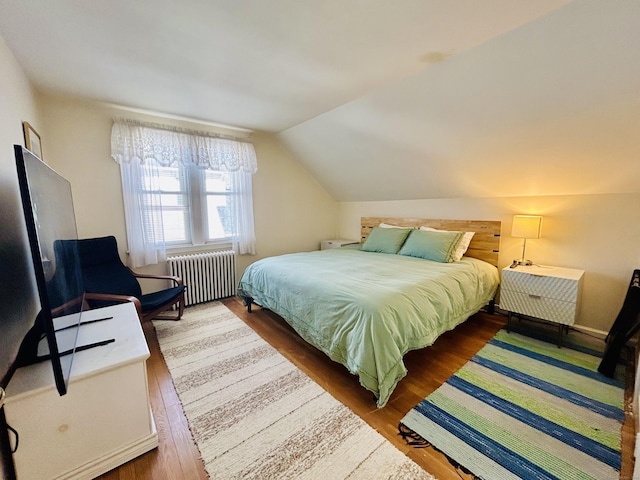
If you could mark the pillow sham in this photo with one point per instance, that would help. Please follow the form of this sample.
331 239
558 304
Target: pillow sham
388 225
385 240
438 246
463 244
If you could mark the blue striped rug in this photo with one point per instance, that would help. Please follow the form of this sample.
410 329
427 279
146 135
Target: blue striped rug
524 409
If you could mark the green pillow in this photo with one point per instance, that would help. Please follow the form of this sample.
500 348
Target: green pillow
385 240
436 246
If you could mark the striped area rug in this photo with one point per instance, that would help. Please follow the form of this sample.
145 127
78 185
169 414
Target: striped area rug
523 408
255 415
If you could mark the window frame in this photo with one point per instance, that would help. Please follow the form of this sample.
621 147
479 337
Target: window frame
196 209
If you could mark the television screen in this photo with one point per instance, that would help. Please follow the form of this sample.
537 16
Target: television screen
49 216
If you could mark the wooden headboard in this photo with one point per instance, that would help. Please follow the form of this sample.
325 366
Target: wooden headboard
485 244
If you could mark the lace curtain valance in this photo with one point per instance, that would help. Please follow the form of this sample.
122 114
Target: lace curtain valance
138 142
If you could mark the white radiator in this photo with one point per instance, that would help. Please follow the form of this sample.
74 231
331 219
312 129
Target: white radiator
208 276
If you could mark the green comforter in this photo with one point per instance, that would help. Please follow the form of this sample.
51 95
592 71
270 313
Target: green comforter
366 310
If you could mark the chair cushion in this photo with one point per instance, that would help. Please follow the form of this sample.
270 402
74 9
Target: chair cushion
98 251
111 278
102 269
151 301
104 272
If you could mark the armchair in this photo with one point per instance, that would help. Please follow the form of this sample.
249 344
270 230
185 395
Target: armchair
107 280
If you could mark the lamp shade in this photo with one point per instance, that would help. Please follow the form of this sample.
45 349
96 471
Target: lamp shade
526 226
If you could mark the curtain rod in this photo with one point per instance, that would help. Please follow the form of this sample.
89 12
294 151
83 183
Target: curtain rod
188 131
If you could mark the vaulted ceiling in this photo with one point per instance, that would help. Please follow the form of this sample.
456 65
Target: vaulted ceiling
379 100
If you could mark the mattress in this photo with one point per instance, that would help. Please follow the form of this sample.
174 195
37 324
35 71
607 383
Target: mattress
367 310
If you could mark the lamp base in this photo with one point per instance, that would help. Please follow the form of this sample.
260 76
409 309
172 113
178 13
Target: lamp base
523 262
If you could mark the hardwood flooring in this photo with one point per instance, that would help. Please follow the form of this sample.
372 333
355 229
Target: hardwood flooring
177 456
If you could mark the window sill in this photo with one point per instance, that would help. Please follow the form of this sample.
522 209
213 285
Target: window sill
208 247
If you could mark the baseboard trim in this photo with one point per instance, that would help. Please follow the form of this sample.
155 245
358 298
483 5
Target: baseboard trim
114 459
599 333
592 331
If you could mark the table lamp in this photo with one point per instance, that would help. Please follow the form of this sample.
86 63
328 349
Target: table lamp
526 226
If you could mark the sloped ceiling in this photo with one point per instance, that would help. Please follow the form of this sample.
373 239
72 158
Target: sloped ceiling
550 108
379 100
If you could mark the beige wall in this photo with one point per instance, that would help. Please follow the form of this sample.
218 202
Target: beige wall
292 211
596 233
17 287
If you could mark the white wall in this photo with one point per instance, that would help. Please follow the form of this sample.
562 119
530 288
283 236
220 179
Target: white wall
548 108
292 211
596 233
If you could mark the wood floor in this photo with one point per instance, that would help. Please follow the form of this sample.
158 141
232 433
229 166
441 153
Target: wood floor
177 456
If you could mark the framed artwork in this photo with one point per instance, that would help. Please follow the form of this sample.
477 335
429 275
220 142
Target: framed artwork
32 140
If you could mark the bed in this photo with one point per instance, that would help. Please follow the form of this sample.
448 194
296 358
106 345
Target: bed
366 306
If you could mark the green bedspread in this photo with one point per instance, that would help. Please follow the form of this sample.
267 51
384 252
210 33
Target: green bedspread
366 310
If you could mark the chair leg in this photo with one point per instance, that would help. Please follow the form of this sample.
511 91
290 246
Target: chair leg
180 306
156 315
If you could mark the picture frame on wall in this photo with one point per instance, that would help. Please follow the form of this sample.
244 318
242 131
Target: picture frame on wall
32 140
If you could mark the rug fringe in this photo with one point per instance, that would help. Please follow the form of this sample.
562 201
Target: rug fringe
411 437
416 440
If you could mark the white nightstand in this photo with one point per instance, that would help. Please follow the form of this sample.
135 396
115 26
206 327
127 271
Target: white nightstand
542 291
336 243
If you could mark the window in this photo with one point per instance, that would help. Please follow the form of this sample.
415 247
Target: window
218 194
183 188
171 185
195 205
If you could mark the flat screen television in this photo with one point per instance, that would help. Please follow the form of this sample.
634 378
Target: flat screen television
49 216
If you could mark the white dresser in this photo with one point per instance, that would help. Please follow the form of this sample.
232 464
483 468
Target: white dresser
542 291
105 418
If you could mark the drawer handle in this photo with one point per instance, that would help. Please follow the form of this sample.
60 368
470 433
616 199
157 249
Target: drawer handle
535 296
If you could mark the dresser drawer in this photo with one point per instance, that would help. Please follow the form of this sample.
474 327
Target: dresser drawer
564 289
538 306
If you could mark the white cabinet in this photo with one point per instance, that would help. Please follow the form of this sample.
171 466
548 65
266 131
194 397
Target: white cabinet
336 243
105 418
545 292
